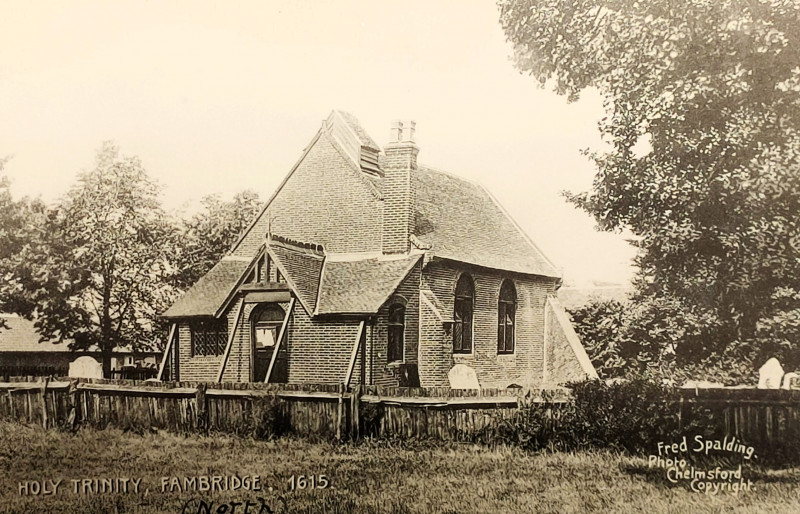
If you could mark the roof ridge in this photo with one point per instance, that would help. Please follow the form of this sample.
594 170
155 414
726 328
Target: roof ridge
313 248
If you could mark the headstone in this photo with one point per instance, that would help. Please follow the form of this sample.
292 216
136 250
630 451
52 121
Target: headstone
85 367
462 376
770 375
788 379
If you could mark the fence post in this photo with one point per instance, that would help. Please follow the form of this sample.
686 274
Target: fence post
202 408
72 417
340 412
355 414
44 402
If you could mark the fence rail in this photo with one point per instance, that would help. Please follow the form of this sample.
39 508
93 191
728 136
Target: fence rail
327 410
761 417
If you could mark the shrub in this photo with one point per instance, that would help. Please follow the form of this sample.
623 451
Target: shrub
269 417
630 416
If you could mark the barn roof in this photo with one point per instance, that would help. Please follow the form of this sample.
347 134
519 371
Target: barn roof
20 335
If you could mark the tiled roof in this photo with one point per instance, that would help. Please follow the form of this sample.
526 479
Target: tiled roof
303 267
209 293
461 221
361 286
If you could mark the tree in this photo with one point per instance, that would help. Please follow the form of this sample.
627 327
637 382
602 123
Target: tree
597 323
713 89
18 220
209 234
95 271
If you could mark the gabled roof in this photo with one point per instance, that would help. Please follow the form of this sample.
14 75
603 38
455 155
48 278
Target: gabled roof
463 222
210 293
302 265
361 286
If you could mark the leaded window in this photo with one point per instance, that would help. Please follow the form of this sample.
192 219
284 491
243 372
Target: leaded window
209 337
506 317
396 333
462 314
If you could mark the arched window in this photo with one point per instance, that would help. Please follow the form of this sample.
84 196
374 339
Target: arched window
506 317
396 332
462 314
266 321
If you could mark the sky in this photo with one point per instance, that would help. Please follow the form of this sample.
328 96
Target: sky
218 97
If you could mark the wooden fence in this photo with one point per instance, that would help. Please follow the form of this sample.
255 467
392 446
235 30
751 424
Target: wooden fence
764 418
768 419
321 410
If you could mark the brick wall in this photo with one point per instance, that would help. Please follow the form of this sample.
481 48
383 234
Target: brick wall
435 344
319 351
407 292
525 365
327 201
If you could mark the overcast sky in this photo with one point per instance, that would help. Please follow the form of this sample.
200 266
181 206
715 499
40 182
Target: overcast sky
220 97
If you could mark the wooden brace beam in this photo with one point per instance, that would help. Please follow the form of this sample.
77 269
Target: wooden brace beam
173 329
354 354
228 347
281 335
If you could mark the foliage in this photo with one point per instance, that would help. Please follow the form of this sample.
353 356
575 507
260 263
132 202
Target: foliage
702 123
597 323
628 415
94 271
270 417
209 234
18 219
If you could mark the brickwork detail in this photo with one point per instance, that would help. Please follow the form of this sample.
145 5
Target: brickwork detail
525 365
319 351
325 201
435 344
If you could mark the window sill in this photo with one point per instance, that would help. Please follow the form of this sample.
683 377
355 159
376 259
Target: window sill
394 364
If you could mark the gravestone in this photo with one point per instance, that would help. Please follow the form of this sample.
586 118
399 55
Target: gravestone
85 367
462 376
788 379
770 375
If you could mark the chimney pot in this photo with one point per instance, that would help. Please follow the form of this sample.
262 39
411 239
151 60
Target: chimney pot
396 132
409 130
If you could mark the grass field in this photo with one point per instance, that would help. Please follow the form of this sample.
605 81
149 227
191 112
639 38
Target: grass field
365 477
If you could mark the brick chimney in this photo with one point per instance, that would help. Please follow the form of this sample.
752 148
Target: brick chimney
399 187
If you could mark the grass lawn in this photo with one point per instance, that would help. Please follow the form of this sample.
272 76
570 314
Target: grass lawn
367 477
